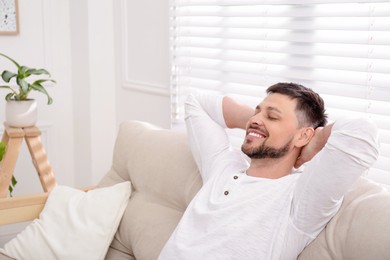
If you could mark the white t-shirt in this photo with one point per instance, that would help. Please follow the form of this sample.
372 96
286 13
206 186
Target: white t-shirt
236 216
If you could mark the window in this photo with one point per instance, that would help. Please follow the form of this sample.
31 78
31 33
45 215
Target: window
340 49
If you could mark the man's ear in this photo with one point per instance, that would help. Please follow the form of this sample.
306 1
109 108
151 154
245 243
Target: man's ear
305 135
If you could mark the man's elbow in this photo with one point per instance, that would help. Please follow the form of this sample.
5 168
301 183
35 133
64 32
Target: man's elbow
358 137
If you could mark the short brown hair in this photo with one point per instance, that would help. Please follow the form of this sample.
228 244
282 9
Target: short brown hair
309 103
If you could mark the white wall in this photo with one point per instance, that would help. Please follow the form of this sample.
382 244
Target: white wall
111 63
142 57
93 78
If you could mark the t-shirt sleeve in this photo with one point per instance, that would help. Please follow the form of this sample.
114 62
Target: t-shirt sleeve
351 150
206 131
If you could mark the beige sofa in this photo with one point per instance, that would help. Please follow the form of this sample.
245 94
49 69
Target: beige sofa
164 179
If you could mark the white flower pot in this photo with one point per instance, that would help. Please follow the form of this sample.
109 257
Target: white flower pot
21 113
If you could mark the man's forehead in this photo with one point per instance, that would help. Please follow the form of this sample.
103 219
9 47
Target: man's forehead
277 102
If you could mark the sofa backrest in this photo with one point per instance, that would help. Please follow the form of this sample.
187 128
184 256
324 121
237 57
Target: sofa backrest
164 179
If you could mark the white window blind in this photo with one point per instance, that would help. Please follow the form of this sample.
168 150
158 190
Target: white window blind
340 49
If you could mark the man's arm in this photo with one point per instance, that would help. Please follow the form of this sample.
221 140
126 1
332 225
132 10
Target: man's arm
206 130
351 149
206 119
236 115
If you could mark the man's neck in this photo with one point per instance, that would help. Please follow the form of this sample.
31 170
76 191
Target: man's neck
271 168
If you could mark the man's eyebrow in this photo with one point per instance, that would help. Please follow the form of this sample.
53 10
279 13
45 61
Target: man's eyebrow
274 109
269 109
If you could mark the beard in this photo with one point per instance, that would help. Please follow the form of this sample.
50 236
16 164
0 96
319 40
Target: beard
263 151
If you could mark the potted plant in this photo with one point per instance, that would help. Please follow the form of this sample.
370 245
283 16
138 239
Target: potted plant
21 111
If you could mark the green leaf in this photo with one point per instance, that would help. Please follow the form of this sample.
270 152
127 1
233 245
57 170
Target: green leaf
9 96
12 185
13 61
40 81
23 72
38 72
24 86
37 86
13 181
8 75
5 86
3 146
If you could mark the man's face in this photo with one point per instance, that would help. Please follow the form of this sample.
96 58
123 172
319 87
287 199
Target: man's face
271 130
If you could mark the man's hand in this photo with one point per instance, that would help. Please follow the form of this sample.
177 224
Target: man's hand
315 145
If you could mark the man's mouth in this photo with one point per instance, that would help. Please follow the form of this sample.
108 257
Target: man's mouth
256 133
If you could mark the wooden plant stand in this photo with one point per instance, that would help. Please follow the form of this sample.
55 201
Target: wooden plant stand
13 137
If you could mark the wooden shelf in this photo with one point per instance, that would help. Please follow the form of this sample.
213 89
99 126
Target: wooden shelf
13 137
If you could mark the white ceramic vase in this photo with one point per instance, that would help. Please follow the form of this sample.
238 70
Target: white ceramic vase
21 113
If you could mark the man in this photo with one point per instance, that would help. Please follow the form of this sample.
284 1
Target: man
267 209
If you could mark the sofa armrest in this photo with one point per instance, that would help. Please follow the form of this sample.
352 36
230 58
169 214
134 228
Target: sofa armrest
361 228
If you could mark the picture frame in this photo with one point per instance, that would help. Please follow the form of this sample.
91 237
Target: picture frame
9 17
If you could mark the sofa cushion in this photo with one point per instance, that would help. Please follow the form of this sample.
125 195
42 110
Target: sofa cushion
164 177
361 228
73 224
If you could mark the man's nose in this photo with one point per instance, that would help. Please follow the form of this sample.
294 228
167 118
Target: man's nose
256 120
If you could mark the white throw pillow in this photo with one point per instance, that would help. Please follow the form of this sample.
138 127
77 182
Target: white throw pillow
73 225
